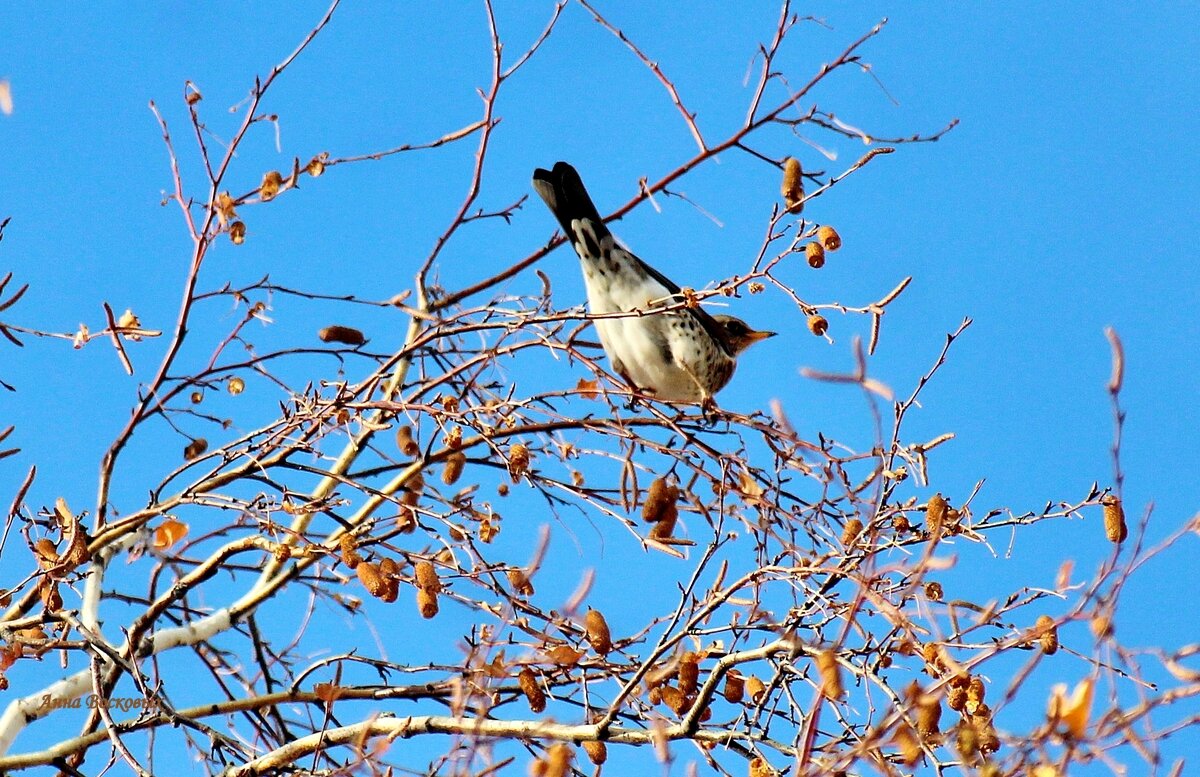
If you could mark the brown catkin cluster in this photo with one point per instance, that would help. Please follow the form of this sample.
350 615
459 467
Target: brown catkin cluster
689 673
195 449
532 689
817 324
597 752
1114 519
735 688
660 498
342 334
760 768
406 519
815 254
453 468
405 442
428 588
1101 625
675 699
793 185
269 187
555 763
908 744
928 712
755 688
598 635
935 514
831 674
349 549
391 576
427 577
829 238
371 578
975 733
956 696
851 530
932 655
518 461
975 693
660 508
981 721
1047 633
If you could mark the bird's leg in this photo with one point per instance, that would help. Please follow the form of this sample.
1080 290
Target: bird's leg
635 393
708 404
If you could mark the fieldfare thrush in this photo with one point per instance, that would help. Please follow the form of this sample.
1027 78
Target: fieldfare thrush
679 355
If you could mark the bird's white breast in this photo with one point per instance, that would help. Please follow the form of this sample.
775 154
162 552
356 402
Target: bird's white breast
656 351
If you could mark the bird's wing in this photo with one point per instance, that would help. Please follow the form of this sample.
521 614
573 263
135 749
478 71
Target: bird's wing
564 193
710 324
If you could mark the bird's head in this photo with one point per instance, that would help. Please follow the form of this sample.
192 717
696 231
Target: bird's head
739 334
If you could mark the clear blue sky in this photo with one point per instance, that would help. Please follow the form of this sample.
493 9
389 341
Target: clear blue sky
1063 203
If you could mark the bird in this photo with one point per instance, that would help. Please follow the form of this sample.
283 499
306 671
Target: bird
683 354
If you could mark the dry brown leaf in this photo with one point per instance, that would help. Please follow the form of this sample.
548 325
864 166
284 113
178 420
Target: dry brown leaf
46 552
750 490
195 449
588 389
168 533
520 582
1073 711
328 692
316 165
564 655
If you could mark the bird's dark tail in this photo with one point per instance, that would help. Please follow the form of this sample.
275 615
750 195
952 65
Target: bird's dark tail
563 191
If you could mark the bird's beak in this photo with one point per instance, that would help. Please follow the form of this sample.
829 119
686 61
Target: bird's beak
754 337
